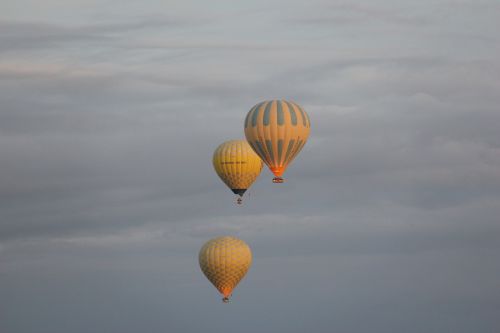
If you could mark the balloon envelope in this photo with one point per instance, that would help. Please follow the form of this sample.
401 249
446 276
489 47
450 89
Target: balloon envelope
225 261
277 130
237 165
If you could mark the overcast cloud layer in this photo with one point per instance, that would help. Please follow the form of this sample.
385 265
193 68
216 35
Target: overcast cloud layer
110 111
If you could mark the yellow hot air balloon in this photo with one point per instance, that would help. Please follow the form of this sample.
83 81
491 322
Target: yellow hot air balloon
225 261
277 130
237 165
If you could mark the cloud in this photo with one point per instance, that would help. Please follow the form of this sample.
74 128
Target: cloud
334 14
18 35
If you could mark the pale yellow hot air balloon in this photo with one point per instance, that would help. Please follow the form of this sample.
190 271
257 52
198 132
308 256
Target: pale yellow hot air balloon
277 130
237 165
225 261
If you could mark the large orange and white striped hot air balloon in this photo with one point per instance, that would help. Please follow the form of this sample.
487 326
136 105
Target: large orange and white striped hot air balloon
225 261
277 130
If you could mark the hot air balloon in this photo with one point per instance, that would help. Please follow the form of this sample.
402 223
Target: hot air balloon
277 130
237 165
225 261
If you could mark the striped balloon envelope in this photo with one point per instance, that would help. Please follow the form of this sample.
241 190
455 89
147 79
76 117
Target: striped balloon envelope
277 130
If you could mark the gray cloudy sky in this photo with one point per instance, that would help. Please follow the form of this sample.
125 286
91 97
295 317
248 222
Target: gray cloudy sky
110 111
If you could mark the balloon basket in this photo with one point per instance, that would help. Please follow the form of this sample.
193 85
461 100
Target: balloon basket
278 180
239 201
225 300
